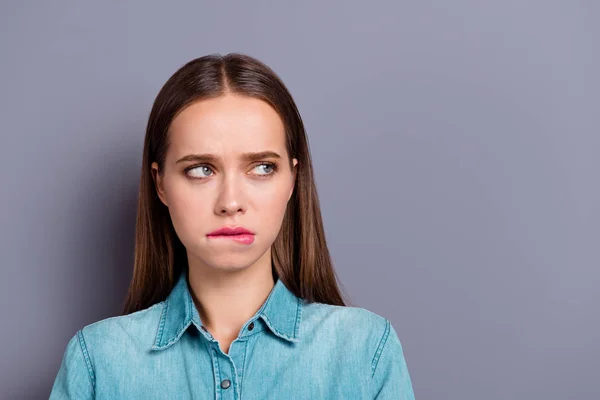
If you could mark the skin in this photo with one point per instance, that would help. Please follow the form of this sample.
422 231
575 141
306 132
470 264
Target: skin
229 281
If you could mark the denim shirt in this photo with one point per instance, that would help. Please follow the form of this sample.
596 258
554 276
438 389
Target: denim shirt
290 349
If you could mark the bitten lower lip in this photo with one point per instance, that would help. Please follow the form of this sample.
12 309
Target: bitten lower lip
243 238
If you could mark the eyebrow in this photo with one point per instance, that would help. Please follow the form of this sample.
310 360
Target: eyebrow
212 158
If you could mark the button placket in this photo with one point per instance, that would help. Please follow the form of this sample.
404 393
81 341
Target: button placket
227 384
226 377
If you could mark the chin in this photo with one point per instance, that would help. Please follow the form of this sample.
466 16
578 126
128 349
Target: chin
230 268
229 262
228 258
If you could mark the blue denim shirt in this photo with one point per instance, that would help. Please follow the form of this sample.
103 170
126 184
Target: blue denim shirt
290 349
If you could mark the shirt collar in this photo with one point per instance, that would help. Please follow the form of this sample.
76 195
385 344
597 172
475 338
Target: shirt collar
281 312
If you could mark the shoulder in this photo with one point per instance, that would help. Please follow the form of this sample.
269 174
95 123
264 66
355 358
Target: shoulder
361 337
137 324
118 335
355 319
102 345
357 329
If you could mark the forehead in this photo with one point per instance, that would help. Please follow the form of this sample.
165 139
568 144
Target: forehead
225 125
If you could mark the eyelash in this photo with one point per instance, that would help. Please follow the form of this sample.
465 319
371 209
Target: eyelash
273 165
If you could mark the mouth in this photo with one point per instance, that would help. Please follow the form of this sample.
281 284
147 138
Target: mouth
242 238
237 234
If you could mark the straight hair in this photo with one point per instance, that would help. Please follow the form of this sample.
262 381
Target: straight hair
300 257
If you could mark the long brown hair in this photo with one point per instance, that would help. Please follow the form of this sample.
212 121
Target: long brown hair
300 257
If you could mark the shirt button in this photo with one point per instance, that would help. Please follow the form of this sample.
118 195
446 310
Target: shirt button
225 383
251 326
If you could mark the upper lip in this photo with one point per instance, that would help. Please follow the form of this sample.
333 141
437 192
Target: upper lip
228 230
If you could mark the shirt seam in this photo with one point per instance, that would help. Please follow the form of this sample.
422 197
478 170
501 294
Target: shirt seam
298 316
235 380
380 347
217 372
161 324
276 330
86 357
243 370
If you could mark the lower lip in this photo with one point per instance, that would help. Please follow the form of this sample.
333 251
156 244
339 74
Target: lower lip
243 239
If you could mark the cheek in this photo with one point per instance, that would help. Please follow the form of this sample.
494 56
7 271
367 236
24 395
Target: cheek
186 207
270 207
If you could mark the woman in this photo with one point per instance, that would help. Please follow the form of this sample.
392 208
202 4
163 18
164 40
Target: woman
233 293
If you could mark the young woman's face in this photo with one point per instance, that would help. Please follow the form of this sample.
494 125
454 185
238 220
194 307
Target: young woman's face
227 166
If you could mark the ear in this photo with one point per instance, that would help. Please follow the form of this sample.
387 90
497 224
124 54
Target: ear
294 173
158 183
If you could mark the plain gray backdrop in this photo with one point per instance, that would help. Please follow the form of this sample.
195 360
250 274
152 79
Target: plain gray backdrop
455 147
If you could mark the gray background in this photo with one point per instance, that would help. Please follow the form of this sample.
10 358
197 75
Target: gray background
455 147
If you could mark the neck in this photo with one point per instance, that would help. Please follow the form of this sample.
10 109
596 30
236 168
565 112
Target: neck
227 299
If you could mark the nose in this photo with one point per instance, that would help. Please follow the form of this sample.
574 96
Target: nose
231 198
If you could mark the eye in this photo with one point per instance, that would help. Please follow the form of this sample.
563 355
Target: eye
266 168
202 170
